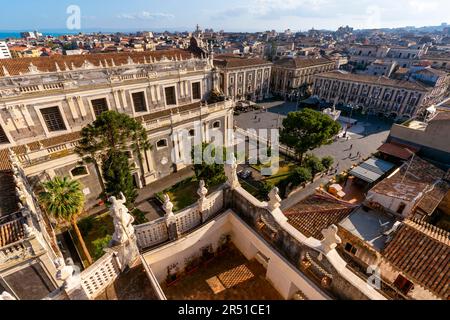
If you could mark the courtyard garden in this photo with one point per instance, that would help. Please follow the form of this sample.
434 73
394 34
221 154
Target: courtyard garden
184 193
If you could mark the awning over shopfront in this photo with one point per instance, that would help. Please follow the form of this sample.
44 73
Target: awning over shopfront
372 170
397 150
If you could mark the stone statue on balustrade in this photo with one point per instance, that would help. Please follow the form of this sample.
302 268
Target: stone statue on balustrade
68 273
124 241
202 193
274 199
331 239
123 220
171 220
231 172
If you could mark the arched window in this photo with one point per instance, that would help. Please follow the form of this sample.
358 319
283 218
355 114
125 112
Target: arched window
79 171
191 133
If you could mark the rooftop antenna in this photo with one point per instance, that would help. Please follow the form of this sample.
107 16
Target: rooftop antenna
407 169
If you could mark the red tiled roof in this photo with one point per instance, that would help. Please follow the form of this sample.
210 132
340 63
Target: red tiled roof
398 150
317 213
412 179
227 61
298 63
11 232
433 198
48 64
423 254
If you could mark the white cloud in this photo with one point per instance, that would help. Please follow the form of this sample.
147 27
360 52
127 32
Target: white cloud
423 6
263 7
145 15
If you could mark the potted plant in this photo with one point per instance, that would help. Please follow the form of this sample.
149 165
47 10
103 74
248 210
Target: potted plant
172 275
224 244
207 254
192 265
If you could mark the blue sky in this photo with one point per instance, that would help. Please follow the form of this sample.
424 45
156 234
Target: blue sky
232 15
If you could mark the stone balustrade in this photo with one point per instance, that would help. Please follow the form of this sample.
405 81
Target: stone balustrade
188 219
152 233
15 253
96 278
157 232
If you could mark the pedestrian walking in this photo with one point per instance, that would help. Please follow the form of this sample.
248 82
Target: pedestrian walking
351 147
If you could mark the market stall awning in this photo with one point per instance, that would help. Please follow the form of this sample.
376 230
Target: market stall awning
372 170
397 150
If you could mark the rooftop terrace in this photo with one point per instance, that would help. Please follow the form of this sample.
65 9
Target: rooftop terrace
228 277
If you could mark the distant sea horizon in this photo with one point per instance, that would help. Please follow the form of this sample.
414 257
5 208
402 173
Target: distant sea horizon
4 34
16 34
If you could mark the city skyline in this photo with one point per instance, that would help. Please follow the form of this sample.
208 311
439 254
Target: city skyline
255 15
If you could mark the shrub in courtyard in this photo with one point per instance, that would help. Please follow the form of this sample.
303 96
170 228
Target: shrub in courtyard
327 162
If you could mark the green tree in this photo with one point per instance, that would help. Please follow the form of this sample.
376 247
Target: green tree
307 130
300 175
327 162
117 174
314 164
113 133
212 172
63 199
264 189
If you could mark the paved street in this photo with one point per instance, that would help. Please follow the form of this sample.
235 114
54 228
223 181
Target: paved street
365 137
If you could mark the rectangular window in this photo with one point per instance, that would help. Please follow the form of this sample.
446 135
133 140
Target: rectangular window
351 249
99 106
171 98
196 92
403 284
3 137
53 119
139 102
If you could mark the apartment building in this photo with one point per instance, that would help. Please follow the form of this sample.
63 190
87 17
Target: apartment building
243 78
397 99
289 74
4 51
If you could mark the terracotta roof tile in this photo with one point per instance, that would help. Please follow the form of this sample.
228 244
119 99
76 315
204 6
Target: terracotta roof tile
238 62
11 232
423 253
317 213
48 64
412 179
298 63
397 150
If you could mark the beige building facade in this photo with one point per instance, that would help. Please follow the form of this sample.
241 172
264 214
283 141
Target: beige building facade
376 95
289 74
244 78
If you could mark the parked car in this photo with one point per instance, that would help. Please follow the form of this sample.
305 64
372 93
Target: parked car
244 174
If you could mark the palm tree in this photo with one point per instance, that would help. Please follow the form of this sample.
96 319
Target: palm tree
64 200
